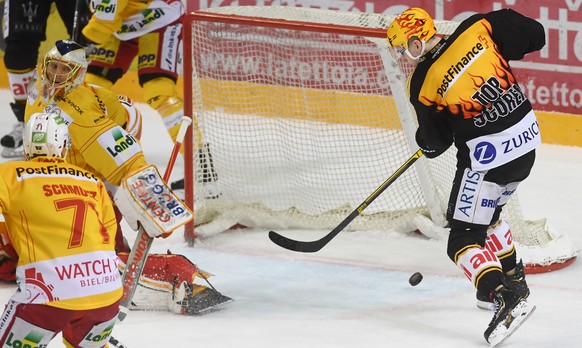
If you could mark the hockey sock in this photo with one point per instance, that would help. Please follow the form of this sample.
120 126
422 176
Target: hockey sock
19 80
481 267
500 241
159 94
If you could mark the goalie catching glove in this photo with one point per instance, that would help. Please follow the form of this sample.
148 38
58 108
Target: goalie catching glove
144 199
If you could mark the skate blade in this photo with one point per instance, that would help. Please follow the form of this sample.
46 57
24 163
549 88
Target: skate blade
486 306
520 314
17 153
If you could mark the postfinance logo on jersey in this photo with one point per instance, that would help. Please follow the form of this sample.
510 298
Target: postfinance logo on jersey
51 170
453 73
119 144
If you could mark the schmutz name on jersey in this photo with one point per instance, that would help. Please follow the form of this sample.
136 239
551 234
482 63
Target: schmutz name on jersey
497 101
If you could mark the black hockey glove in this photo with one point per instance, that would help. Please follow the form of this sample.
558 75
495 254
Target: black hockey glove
428 151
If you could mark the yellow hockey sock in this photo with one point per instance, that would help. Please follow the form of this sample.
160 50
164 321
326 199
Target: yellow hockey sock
159 94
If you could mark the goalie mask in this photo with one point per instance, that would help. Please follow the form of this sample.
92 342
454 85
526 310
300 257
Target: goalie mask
45 135
63 69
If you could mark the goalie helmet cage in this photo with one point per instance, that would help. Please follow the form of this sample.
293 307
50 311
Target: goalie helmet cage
301 113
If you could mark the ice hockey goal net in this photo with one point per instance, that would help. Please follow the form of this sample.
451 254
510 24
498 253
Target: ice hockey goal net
301 114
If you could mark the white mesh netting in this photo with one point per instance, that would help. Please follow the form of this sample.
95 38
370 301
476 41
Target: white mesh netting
299 124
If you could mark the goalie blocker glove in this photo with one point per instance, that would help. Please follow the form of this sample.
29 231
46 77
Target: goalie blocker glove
144 199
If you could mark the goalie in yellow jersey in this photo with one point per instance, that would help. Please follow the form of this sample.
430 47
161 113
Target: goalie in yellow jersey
62 228
105 140
150 30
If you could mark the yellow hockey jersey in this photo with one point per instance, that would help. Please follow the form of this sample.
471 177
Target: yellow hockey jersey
62 225
108 17
96 121
129 19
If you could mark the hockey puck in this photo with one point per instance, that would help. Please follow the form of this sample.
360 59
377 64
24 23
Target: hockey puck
415 279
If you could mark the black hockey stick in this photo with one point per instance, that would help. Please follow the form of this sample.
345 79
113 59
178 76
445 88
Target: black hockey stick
316 245
76 19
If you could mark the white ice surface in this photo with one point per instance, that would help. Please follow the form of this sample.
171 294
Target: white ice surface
355 291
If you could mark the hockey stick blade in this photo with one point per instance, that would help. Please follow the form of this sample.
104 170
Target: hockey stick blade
316 245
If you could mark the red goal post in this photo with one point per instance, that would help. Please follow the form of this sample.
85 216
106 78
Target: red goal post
300 114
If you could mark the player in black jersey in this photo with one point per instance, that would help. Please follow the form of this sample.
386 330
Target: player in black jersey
464 93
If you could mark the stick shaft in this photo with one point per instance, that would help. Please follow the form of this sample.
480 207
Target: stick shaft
76 20
316 245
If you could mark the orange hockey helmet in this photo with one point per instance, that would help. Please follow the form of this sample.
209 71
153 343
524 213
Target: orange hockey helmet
412 22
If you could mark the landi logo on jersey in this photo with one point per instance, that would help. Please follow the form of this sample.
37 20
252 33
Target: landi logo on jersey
103 6
100 337
119 144
23 334
122 142
148 17
31 340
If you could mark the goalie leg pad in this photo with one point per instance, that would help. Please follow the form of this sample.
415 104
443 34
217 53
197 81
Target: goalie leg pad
167 283
168 269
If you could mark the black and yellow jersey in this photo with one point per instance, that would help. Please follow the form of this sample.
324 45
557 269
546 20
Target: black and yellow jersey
464 91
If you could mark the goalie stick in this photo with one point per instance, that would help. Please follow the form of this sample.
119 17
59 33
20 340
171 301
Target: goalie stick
316 245
143 242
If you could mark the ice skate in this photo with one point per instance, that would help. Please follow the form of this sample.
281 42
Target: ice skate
515 282
178 188
209 188
12 143
208 179
10 153
512 310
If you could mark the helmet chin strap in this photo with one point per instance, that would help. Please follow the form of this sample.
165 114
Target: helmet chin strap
419 55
